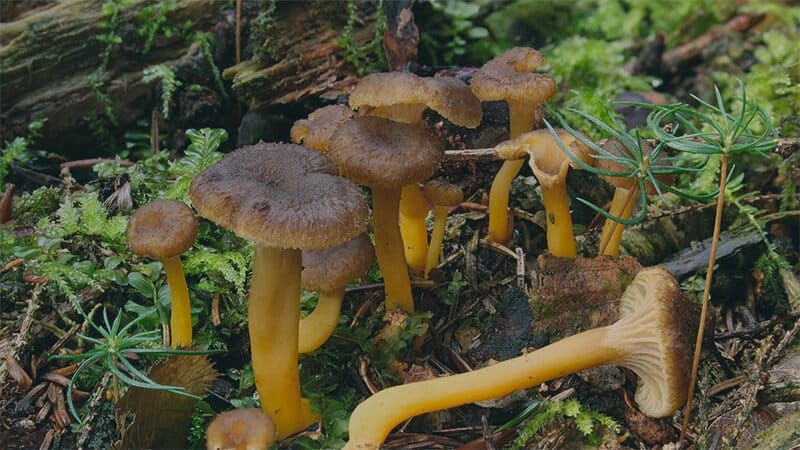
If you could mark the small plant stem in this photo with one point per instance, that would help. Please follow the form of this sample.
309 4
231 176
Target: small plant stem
723 179
238 31
622 207
437 236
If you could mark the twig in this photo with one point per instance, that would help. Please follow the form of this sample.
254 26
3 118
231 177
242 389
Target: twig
5 203
67 166
692 49
758 327
86 426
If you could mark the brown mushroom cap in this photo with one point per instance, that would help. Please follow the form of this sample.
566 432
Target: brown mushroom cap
383 94
442 193
315 131
512 75
161 229
330 269
241 429
548 161
378 152
282 195
616 148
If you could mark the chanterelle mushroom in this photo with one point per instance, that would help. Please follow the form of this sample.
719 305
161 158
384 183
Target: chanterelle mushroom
241 429
511 77
653 338
285 197
163 229
328 272
385 156
550 166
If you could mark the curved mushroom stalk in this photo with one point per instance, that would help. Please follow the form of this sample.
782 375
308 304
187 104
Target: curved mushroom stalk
652 338
318 326
273 315
442 195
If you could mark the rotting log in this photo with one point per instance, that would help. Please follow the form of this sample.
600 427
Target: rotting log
296 53
48 54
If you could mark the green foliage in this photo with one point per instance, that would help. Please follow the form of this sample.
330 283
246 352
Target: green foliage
204 39
154 18
369 57
585 421
169 84
201 153
19 149
221 267
111 352
457 37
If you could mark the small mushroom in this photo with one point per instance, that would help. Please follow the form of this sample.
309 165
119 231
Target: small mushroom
241 429
385 156
163 229
442 195
285 198
512 77
316 130
328 272
626 189
550 167
653 338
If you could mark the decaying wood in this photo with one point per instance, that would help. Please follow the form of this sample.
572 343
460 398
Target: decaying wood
47 56
300 55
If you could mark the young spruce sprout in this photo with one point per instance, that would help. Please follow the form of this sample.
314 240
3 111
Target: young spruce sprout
720 133
111 351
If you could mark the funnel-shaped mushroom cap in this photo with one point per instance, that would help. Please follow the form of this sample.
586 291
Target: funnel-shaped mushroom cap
512 75
402 96
161 229
548 162
615 147
241 429
440 192
282 195
330 269
315 131
656 331
378 152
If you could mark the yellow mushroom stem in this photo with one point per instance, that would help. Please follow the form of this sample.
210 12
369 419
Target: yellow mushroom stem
181 317
374 418
389 248
560 240
318 326
413 212
437 237
273 315
621 206
521 116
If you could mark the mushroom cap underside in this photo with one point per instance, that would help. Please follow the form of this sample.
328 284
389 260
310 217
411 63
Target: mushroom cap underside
161 229
243 428
443 193
656 331
380 153
281 195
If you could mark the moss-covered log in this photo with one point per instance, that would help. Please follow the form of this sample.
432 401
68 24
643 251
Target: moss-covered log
49 54
303 49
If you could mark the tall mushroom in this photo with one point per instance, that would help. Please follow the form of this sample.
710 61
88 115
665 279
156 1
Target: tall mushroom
653 338
403 97
163 229
328 272
284 197
550 167
627 187
385 156
511 77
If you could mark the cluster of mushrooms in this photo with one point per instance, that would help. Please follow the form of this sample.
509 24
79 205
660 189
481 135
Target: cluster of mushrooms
302 206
